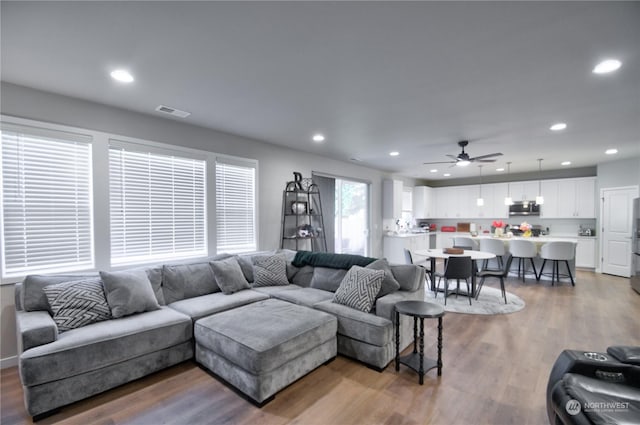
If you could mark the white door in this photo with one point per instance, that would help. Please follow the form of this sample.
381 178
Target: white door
616 218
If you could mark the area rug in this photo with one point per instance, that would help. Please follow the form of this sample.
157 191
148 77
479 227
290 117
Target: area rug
489 302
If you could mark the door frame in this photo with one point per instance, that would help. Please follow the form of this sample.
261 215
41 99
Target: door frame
369 183
600 257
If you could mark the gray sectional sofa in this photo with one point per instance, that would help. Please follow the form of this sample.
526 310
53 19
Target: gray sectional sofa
60 367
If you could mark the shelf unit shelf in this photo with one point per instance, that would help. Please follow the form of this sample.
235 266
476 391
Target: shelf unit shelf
302 220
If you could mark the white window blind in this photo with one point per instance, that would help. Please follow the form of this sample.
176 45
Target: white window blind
235 207
157 206
46 201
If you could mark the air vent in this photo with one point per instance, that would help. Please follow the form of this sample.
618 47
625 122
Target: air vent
172 111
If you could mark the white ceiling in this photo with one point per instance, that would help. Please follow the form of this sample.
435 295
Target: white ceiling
374 77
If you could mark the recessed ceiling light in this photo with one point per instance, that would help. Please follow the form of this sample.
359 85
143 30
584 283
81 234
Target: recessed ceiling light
558 126
318 138
611 151
394 153
122 75
446 174
499 169
607 66
565 163
433 171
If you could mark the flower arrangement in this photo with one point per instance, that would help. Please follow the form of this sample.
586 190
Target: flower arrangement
525 228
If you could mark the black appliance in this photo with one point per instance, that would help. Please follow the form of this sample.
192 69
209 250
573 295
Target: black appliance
524 208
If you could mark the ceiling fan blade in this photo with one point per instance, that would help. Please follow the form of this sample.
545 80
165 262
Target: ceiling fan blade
483 160
486 156
455 158
439 162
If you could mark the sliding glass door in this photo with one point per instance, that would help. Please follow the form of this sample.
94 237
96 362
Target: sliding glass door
351 217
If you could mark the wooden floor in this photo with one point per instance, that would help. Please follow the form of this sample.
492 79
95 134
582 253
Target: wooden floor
495 372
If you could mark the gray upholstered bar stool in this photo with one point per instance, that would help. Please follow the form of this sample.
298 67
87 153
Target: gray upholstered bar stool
557 252
494 246
523 250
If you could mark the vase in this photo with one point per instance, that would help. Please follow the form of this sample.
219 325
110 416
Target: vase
499 232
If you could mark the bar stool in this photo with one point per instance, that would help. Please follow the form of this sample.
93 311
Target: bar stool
523 250
556 252
493 246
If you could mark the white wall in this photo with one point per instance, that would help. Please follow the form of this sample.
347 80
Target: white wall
276 165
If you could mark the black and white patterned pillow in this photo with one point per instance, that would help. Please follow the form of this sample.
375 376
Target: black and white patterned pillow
359 288
270 270
77 303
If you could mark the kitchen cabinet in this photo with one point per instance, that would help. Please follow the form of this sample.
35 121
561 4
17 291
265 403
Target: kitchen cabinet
461 201
523 191
445 240
393 246
391 199
586 253
423 202
569 198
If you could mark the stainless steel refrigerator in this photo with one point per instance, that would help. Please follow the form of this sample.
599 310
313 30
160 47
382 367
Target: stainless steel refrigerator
635 248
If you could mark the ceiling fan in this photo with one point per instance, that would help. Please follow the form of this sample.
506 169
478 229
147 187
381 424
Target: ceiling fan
463 159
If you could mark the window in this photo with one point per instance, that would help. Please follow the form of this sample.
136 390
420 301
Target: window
235 206
47 218
157 205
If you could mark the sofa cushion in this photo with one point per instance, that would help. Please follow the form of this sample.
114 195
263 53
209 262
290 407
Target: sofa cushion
187 280
33 296
409 276
389 283
304 296
247 267
270 270
300 276
359 288
271 290
129 292
206 305
77 303
229 276
358 325
327 279
101 344
262 336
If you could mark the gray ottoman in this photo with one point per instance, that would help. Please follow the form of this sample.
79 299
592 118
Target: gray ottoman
261 348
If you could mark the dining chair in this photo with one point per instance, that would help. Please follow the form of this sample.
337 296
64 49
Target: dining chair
464 243
500 274
408 257
522 251
556 252
458 268
494 246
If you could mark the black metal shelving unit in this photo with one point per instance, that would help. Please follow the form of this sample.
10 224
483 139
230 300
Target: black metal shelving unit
302 221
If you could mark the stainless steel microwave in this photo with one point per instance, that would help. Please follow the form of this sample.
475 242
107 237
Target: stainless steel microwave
524 208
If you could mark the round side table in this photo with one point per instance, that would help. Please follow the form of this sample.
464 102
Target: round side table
416 361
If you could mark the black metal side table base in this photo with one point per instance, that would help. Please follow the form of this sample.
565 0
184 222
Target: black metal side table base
416 360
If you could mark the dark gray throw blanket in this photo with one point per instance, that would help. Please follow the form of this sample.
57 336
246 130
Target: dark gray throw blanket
330 260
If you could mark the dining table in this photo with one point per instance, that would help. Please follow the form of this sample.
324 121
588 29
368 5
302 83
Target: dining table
439 253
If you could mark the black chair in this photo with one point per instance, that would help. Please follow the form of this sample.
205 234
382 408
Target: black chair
457 268
408 258
500 274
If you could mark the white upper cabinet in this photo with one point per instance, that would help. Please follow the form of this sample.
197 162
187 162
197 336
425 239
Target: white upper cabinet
569 198
524 191
423 202
392 199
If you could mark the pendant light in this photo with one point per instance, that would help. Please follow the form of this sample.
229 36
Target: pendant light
508 200
539 198
480 200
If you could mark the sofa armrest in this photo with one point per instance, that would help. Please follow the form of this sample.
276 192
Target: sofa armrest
409 276
385 305
35 328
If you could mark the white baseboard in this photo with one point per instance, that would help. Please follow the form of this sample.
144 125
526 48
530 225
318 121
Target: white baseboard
8 362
